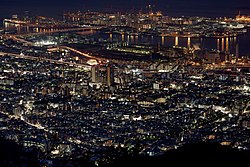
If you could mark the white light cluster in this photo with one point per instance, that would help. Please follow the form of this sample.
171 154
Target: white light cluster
45 43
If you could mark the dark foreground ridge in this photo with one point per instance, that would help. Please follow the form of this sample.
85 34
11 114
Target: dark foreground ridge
197 154
12 154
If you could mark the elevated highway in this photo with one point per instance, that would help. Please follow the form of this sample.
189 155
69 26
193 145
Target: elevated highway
52 61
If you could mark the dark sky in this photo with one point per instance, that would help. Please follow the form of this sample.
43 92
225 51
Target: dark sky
171 7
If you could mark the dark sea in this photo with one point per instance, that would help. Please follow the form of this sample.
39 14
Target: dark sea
222 44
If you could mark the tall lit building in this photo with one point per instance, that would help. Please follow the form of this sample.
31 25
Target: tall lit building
237 52
156 86
242 18
110 75
94 74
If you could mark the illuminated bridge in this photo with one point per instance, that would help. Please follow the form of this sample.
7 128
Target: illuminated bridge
41 28
51 31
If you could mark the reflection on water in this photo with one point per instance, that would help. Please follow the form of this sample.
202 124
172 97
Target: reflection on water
218 44
111 36
20 29
223 44
189 42
122 37
136 38
162 40
176 43
132 40
227 45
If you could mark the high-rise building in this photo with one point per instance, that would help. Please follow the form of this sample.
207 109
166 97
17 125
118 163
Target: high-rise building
26 14
110 75
66 90
156 86
44 91
94 74
237 53
14 16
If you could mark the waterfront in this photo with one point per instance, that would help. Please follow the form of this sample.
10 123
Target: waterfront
222 44
97 81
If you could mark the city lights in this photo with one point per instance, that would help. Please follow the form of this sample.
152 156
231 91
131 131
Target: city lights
91 88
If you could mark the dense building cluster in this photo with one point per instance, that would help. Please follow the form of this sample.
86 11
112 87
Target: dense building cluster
118 105
67 93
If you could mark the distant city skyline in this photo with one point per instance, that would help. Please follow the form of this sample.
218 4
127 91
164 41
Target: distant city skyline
102 83
212 8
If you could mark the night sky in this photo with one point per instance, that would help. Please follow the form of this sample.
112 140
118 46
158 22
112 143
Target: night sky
171 7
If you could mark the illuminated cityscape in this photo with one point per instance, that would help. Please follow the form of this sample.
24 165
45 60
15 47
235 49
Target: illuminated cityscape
100 85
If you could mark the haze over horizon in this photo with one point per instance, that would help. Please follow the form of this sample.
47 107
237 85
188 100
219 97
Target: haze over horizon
212 8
